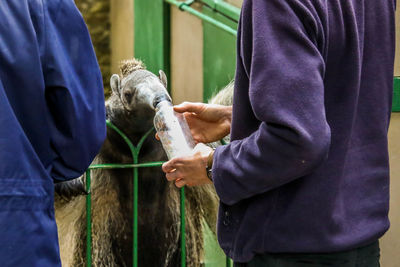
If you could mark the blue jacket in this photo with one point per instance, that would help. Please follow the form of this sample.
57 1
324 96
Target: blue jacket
52 121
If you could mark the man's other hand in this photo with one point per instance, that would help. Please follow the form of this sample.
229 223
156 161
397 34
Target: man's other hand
207 122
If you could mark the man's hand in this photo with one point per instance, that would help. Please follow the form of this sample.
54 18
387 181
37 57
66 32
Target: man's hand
190 170
207 122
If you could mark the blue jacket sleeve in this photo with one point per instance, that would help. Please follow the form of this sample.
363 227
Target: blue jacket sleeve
74 91
285 70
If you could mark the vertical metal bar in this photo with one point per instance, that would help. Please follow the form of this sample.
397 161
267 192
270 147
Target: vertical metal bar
88 220
228 262
135 211
183 229
396 95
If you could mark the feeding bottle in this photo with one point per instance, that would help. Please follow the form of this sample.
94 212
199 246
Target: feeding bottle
173 131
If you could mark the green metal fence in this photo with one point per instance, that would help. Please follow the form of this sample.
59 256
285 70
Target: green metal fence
135 150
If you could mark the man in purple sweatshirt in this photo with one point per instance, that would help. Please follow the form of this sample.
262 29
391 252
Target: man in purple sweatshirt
305 179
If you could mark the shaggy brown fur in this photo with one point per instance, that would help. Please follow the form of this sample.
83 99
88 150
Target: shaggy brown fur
159 214
128 66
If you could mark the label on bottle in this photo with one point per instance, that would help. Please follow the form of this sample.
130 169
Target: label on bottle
174 133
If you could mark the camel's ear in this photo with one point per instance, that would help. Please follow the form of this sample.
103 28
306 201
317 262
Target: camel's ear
115 83
163 78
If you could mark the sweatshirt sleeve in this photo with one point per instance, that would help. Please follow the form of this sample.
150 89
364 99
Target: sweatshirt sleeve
74 91
280 57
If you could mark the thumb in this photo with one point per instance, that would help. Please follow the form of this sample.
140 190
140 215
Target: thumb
189 107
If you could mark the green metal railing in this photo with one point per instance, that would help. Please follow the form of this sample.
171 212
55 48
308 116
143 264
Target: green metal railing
135 150
185 6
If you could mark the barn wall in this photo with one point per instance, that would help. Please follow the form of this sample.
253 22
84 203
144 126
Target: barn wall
390 243
186 57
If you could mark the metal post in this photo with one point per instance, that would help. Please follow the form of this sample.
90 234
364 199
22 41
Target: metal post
228 262
88 221
396 95
135 212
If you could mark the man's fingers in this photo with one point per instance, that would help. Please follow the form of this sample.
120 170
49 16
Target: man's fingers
180 183
172 176
189 107
157 137
171 165
168 166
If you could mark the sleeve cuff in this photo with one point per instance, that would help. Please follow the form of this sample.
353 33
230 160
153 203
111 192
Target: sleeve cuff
218 179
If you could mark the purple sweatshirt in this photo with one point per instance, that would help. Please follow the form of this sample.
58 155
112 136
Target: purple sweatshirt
307 168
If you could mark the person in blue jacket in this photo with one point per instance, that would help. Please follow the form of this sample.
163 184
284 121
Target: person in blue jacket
52 121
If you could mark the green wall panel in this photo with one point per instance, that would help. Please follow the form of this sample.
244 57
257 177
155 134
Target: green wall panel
219 58
152 34
396 95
